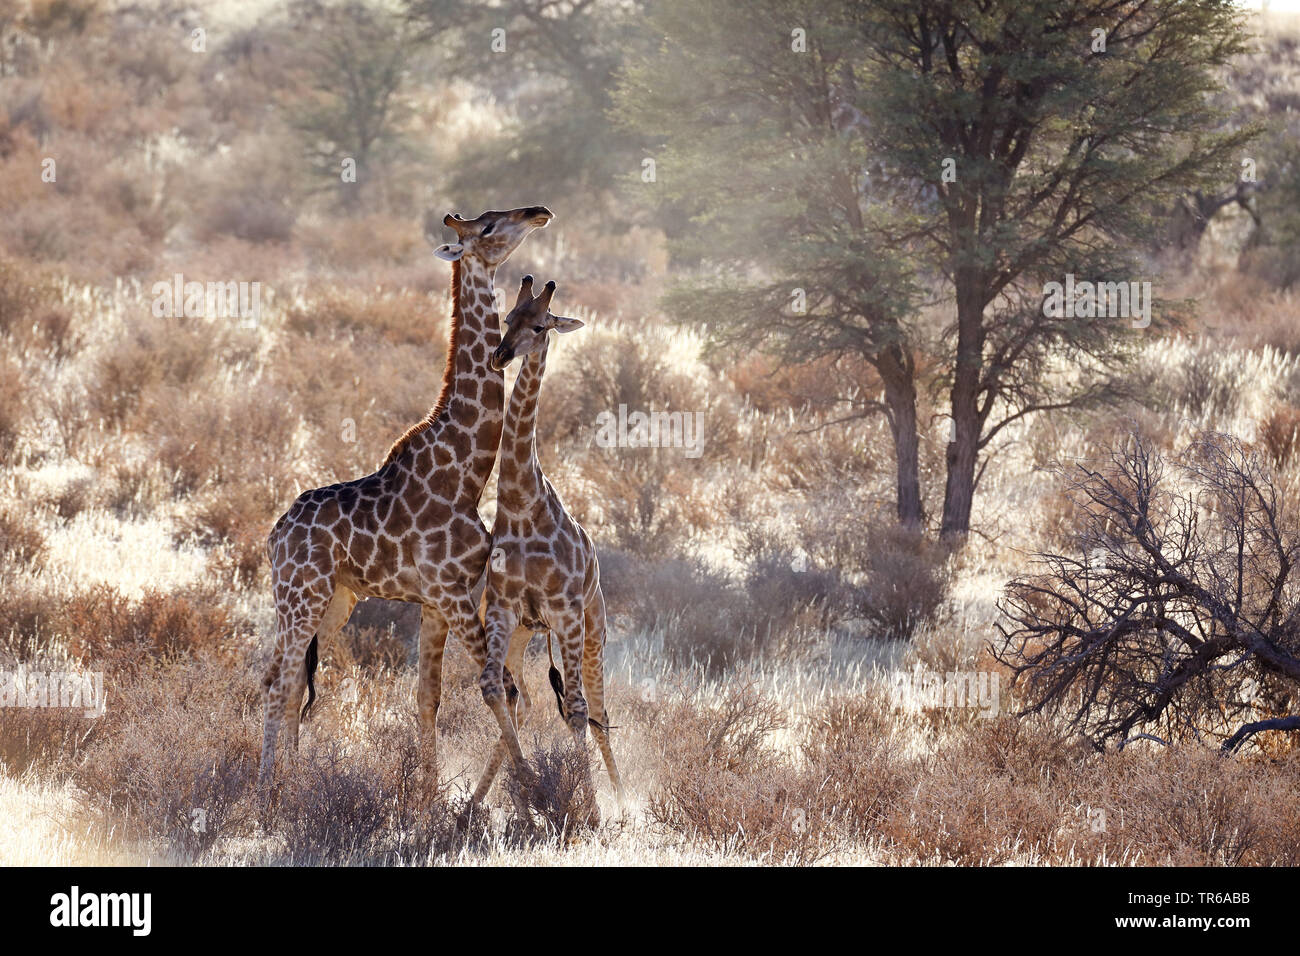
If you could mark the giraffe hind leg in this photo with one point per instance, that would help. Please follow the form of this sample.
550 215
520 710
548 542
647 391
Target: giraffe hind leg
336 615
282 686
593 678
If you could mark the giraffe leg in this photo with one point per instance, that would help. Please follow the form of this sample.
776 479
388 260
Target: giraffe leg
490 655
286 674
523 704
569 628
335 616
593 680
461 619
433 640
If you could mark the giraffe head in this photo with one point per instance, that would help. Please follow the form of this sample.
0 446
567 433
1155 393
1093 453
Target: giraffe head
492 236
528 324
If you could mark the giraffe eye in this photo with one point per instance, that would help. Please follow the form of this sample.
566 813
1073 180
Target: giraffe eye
539 328
488 230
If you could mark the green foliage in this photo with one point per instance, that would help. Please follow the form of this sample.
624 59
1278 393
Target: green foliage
355 59
746 140
556 76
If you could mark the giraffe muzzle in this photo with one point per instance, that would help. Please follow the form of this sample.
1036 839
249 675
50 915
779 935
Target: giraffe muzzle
501 358
538 215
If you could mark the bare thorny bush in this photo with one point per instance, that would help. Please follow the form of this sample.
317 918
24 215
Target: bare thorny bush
1176 616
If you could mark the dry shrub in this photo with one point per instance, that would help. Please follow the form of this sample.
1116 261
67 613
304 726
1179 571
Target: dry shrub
1280 434
777 816
853 564
367 244
855 748
13 407
724 784
20 540
132 489
746 621
1027 748
666 597
186 737
40 737
1208 387
74 498
771 385
561 795
329 811
103 626
176 758
962 812
235 519
258 212
239 437
169 351
648 504
33 309
998 790
1277 821
1190 806
333 808
403 316
25 614
906 581
618 366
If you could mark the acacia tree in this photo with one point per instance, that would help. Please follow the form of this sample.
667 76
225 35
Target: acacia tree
979 148
1049 130
354 60
1177 608
744 111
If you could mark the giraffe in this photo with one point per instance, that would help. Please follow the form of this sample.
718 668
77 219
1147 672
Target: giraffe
410 531
544 574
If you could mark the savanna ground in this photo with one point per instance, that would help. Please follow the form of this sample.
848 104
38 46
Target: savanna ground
768 620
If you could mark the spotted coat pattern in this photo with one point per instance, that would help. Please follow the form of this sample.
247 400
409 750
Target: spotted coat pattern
544 574
410 531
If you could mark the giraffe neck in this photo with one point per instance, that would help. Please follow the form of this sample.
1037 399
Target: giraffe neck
519 466
468 415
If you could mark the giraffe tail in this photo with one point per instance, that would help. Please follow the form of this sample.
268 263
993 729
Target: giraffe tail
557 685
312 658
557 682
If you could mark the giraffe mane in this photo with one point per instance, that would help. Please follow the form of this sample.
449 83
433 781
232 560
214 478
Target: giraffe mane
448 374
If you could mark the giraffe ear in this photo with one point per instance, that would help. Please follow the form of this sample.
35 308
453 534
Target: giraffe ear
565 324
451 251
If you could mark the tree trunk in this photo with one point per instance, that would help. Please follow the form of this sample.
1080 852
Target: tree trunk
900 396
963 450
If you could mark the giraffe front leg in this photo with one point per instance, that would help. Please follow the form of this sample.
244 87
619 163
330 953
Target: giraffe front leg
433 640
462 620
522 705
